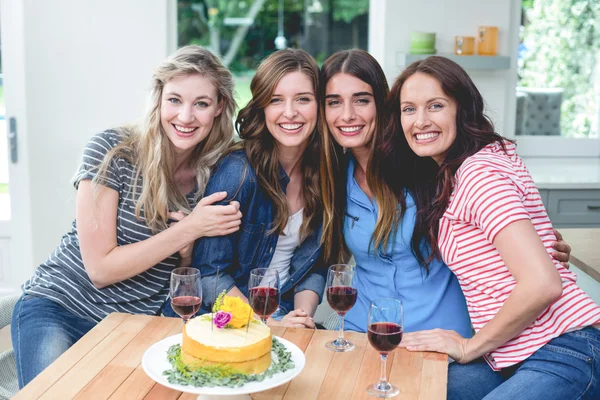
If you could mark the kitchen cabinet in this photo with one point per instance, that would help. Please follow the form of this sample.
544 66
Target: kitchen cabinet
572 208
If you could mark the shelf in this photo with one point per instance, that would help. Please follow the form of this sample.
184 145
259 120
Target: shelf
467 62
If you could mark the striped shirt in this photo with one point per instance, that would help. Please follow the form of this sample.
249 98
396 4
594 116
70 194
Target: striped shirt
62 277
493 189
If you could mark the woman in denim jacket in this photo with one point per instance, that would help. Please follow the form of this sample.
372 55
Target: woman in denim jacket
273 174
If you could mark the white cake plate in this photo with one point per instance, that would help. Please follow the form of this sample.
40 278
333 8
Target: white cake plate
155 362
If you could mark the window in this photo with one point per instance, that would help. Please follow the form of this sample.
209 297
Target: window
558 93
245 32
4 195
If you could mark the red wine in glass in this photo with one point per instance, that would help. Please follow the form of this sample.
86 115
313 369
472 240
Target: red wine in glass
264 300
185 291
186 306
341 298
263 292
384 336
385 328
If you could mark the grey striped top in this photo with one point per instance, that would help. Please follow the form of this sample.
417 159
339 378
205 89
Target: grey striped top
62 277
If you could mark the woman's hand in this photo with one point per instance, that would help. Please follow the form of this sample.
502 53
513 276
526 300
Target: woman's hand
215 220
439 340
563 250
294 319
208 220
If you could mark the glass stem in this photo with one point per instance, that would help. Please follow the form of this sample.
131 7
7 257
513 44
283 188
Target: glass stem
383 378
340 338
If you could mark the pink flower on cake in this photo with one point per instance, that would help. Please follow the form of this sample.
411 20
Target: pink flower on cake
221 319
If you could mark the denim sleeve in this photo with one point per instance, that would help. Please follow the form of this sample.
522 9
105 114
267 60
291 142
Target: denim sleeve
314 281
216 254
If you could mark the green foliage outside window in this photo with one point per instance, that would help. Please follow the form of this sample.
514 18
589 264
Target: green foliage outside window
307 23
562 39
205 22
348 10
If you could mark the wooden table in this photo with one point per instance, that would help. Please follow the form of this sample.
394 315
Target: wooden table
105 363
585 253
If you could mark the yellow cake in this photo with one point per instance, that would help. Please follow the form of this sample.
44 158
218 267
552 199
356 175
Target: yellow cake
205 344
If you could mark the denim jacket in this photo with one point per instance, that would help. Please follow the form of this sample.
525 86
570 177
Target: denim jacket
235 255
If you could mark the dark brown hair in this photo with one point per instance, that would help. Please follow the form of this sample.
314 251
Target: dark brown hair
474 131
363 66
259 144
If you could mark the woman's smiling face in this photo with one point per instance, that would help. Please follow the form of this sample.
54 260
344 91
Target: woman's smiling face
291 115
428 116
189 107
350 110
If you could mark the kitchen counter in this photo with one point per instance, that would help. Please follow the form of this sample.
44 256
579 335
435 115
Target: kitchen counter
585 253
564 173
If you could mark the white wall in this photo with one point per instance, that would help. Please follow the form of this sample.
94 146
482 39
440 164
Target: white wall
85 67
391 22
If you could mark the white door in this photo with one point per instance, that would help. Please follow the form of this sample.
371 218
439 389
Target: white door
71 68
15 228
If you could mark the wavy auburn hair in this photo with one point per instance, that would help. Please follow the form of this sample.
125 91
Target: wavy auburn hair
261 148
474 131
363 66
148 148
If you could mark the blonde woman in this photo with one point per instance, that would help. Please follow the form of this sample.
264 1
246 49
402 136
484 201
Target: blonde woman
133 184
274 175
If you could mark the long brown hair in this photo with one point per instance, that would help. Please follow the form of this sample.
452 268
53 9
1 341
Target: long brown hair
363 66
148 148
260 146
474 131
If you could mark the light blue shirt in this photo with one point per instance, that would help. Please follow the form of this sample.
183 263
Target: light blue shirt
430 301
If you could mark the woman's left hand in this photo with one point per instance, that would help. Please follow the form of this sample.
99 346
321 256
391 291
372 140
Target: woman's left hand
439 340
563 250
297 318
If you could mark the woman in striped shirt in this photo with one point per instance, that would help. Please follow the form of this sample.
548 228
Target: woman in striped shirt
534 326
132 182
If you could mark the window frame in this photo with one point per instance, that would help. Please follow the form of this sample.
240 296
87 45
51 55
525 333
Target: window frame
531 146
542 146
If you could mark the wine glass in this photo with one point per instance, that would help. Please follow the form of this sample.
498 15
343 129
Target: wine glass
185 292
341 296
386 324
263 292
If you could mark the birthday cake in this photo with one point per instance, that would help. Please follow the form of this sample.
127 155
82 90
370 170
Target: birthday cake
228 336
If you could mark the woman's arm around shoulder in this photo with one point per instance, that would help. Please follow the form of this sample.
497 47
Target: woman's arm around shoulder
96 218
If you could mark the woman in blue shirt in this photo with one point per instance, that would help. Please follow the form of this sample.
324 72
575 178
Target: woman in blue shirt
377 223
272 173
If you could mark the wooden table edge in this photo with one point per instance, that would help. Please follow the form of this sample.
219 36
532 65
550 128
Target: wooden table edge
281 332
593 273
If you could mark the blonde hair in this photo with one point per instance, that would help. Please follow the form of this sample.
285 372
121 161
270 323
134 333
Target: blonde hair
148 148
259 144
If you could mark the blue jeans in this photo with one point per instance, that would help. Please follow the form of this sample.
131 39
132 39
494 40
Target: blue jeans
41 331
567 367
